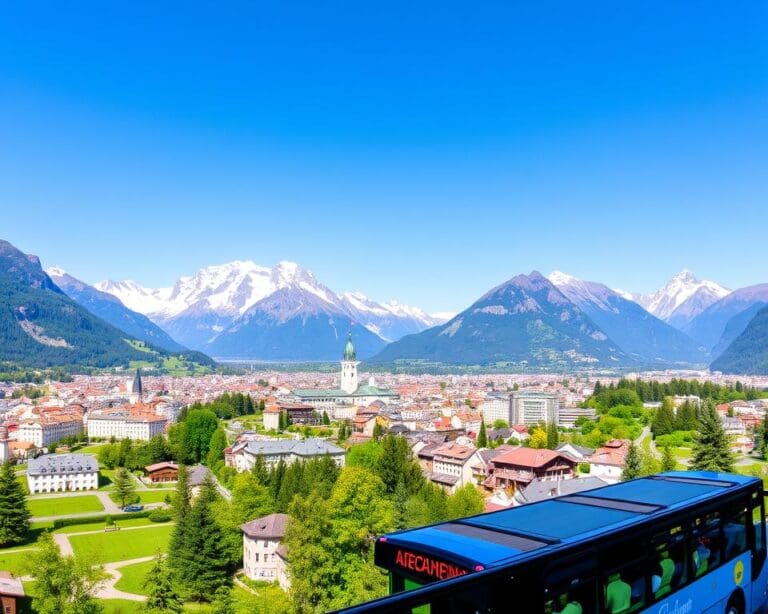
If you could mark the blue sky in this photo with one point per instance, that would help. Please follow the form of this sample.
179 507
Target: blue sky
418 151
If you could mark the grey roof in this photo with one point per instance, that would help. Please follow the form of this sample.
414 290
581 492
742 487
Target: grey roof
62 464
301 447
443 478
580 449
267 527
196 475
538 489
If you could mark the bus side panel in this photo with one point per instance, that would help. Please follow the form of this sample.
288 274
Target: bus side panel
710 592
760 592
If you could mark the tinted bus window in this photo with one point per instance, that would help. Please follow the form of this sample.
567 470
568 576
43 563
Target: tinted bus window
758 527
571 599
735 532
668 564
707 543
625 585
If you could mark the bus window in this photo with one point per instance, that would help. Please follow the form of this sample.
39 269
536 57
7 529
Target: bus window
707 543
668 566
571 599
735 532
758 527
625 585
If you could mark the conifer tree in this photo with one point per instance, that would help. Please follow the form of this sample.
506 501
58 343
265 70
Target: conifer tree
161 595
712 449
181 507
222 601
203 555
400 501
215 456
326 419
668 462
260 470
482 438
14 514
597 388
632 464
553 437
123 486
663 422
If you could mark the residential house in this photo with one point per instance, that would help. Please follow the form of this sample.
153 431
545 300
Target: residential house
62 472
608 461
263 555
162 472
452 465
539 490
243 455
517 468
11 591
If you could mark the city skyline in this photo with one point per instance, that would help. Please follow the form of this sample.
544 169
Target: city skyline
408 154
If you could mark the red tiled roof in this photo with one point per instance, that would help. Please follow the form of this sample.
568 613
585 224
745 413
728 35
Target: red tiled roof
527 457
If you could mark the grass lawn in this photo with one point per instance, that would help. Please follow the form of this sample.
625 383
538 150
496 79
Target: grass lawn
58 506
98 526
14 561
154 496
121 606
122 545
133 578
106 477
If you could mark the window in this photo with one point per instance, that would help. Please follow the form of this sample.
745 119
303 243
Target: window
706 543
668 562
571 588
625 584
735 531
758 528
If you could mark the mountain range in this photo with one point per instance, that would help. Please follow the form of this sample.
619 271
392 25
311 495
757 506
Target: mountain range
241 310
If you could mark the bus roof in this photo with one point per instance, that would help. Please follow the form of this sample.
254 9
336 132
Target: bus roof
494 538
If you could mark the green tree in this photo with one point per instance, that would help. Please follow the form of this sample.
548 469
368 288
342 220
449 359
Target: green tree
686 419
711 449
198 428
123 486
223 603
14 514
326 419
668 462
378 431
162 597
182 504
538 439
482 438
215 456
203 555
632 464
500 424
553 436
63 585
663 422
466 501
396 464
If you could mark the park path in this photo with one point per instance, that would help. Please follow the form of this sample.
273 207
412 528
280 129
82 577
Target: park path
107 590
62 541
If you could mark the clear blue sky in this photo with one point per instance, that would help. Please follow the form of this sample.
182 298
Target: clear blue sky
417 150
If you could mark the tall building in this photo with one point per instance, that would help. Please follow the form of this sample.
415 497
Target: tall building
349 368
136 388
497 406
534 407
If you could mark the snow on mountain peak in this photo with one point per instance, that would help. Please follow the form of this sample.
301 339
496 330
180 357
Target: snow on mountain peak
561 279
55 271
669 298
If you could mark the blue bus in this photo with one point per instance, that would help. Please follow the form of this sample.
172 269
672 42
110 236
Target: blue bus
674 543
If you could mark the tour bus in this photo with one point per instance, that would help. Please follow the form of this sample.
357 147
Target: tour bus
674 543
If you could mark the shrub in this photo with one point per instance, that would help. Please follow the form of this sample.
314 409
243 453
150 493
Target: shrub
584 468
159 515
66 522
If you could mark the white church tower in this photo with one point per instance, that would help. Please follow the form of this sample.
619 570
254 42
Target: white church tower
349 368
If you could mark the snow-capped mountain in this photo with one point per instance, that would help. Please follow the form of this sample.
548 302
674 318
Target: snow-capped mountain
198 309
390 320
636 331
682 298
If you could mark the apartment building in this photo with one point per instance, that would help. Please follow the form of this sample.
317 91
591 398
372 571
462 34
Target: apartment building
124 424
49 428
62 472
534 407
263 555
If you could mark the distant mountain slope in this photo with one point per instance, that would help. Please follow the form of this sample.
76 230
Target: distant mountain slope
525 320
200 309
748 354
293 324
41 326
111 310
708 327
735 327
636 331
682 298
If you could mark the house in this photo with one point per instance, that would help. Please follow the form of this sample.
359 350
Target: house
263 555
11 591
196 475
243 455
62 472
580 453
135 423
162 472
364 422
452 465
469 421
271 417
483 468
519 433
517 468
299 413
539 490
608 461
733 426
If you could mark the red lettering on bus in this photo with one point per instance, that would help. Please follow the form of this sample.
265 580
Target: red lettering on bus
427 566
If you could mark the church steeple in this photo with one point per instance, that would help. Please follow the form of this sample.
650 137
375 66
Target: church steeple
137 387
349 367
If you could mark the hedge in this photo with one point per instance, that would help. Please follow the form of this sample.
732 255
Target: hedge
66 522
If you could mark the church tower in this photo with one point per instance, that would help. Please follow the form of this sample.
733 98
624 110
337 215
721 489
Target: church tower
5 451
349 368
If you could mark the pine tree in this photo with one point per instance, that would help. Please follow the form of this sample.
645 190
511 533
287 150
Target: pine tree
14 514
260 470
686 419
712 449
597 388
181 507
203 555
632 464
482 438
222 601
124 486
668 462
553 437
400 501
326 419
161 595
215 456
663 422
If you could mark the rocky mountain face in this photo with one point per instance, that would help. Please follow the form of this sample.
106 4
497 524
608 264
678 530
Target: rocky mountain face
219 309
748 352
111 310
640 334
524 321
41 326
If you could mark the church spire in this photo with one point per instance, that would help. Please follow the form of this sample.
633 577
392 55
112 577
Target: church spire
349 349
